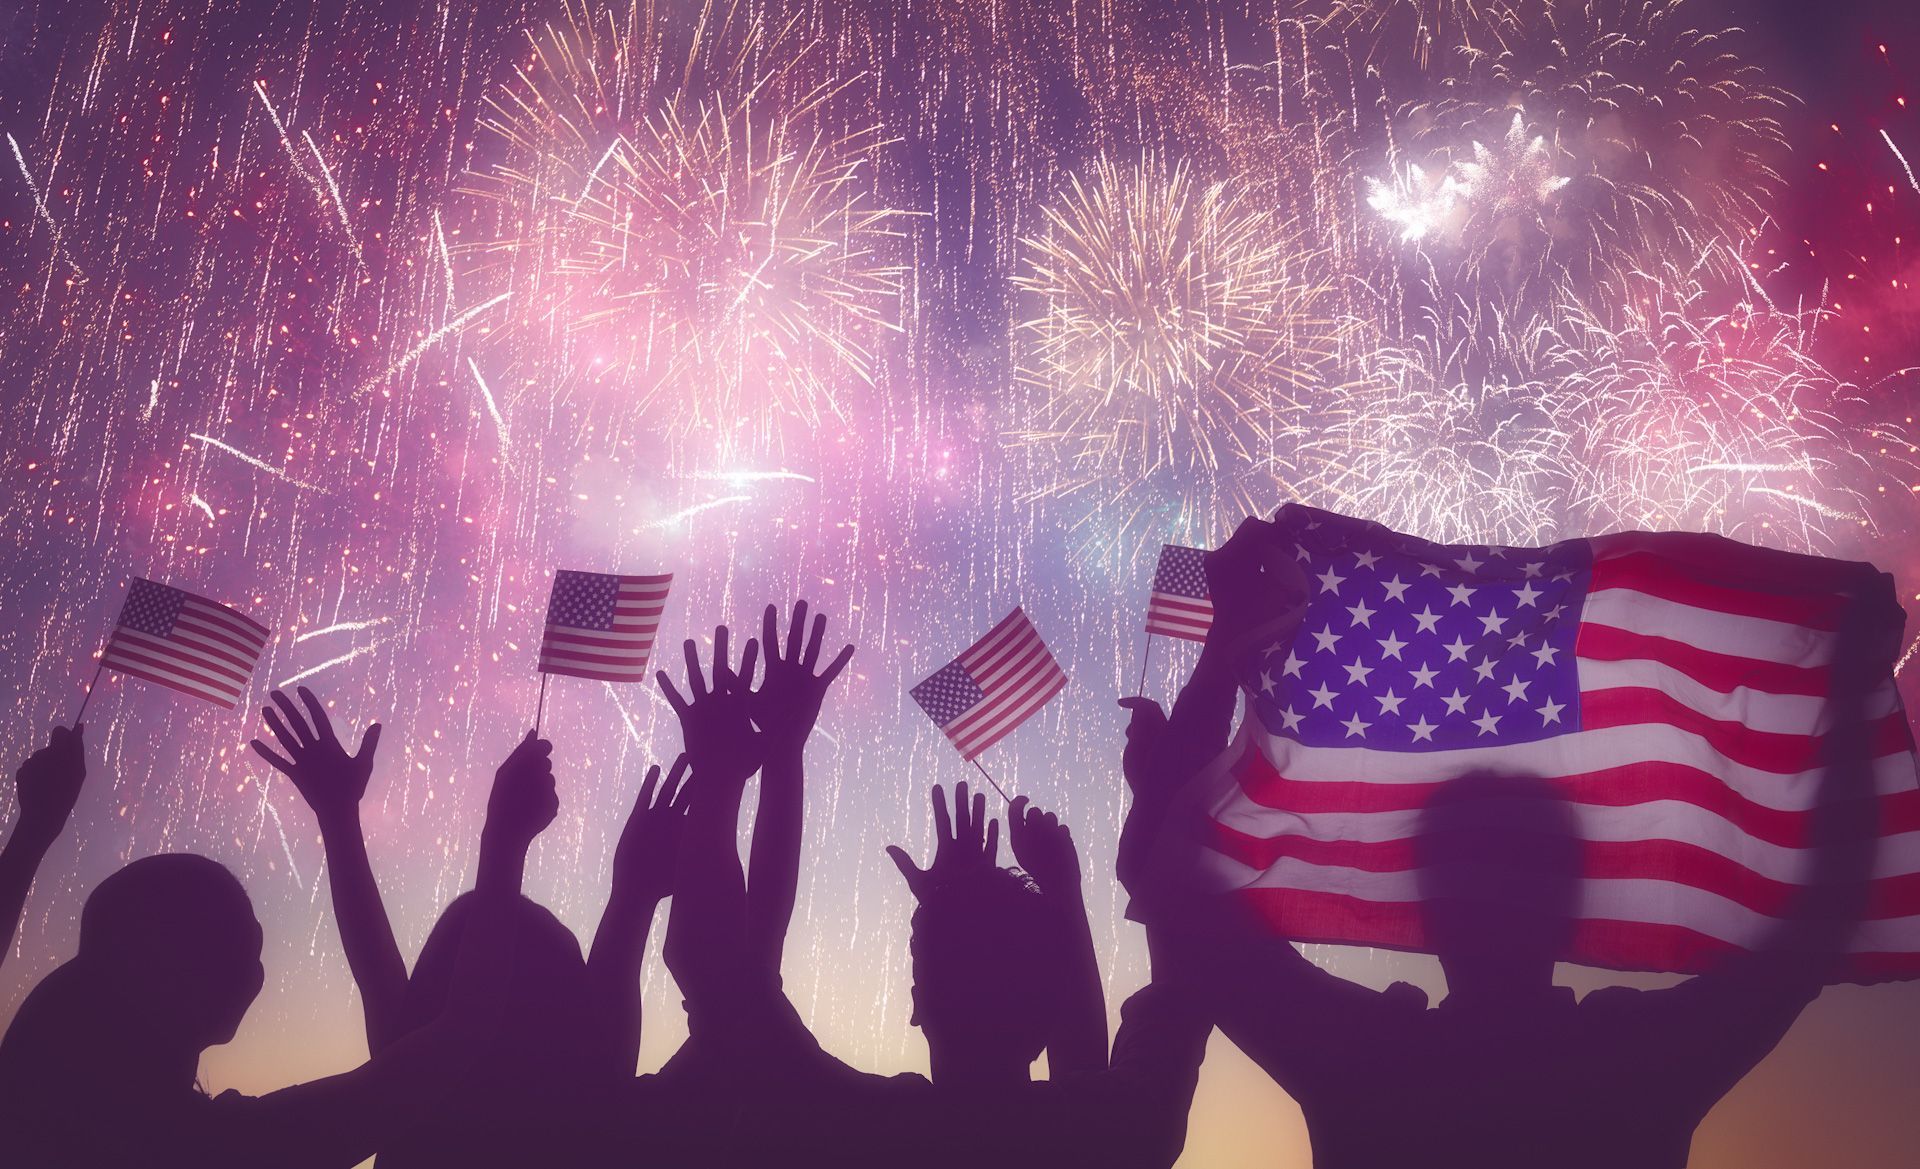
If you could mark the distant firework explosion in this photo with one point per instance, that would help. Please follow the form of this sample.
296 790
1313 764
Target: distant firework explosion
1173 322
1723 422
717 257
1671 140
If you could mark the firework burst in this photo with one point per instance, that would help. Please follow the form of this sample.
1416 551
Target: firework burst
713 253
1174 322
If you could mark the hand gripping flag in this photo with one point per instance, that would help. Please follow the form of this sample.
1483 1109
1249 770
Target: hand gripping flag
177 639
602 626
996 684
1670 688
1179 605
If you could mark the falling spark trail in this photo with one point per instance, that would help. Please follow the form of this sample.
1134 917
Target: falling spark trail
266 805
750 476
293 155
434 338
153 398
202 504
248 459
446 257
633 732
1829 512
342 627
40 205
687 513
329 664
1904 164
493 408
595 172
339 204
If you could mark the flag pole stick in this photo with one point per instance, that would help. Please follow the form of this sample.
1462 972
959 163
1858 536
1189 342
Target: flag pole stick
989 779
88 696
540 709
1145 657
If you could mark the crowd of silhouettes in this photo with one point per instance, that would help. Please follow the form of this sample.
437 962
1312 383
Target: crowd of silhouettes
505 1044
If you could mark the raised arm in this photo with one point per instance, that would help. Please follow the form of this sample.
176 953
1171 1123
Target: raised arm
707 941
785 707
1287 1014
333 783
643 868
48 783
523 802
1043 846
1716 1026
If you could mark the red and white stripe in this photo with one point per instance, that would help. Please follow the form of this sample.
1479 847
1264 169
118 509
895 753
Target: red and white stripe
1693 779
1016 673
1172 615
616 655
210 653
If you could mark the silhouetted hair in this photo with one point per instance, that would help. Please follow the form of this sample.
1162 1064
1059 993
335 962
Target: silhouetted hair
1505 846
549 974
989 940
168 907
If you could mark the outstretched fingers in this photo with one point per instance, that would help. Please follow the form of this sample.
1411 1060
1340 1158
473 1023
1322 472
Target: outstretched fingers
322 725
280 763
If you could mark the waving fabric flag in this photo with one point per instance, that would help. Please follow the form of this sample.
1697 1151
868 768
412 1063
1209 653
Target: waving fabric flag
993 687
1180 606
1669 687
602 626
177 639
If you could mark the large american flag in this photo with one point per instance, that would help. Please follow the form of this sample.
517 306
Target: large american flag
601 626
993 687
177 639
1670 687
1179 605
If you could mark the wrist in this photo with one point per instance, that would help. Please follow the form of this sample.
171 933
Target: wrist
33 836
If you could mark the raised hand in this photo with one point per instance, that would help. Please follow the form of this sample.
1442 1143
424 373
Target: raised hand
1255 586
787 702
644 860
524 801
331 781
1043 846
1147 779
966 841
48 783
716 721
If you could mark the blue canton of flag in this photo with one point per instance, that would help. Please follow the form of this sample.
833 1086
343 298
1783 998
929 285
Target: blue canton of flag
1412 646
947 693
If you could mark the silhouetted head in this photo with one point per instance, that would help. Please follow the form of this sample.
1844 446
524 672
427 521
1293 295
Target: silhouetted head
173 940
1499 860
546 992
986 969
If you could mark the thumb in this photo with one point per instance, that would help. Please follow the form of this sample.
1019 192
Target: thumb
369 743
915 876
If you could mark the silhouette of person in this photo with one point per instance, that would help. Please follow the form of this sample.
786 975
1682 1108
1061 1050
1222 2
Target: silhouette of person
47 785
762 1087
98 1067
572 1029
1508 1070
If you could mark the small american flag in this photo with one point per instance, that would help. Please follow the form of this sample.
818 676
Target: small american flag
602 626
1179 606
993 687
187 642
1670 687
